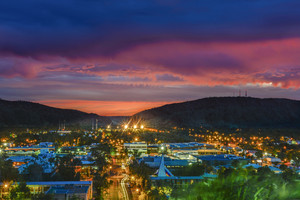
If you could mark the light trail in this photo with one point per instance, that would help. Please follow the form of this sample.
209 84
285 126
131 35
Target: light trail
125 193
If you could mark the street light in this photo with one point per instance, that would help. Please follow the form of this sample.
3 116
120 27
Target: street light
135 126
126 126
142 126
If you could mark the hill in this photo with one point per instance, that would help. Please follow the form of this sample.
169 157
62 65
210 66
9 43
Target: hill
28 114
227 112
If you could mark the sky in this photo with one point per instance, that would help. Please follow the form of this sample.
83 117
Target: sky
116 57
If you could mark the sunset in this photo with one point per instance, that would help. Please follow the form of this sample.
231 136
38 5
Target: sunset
143 52
150 100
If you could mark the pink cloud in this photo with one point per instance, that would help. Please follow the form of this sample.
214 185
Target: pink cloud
211 63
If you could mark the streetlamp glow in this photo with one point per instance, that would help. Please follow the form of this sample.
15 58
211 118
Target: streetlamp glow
142 126
126 126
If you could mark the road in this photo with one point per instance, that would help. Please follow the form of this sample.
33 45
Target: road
124 189
118 189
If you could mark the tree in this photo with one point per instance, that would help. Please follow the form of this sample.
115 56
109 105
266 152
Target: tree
282 167
243 184
296 158
142 171
288 175
66 168
235 163
42 196
101 156
7 171
20 192
34 172
259 154
155 194
196 169
136 153
74 197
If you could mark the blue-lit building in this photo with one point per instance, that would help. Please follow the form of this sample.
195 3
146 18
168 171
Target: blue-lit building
222 159
154 162
164 177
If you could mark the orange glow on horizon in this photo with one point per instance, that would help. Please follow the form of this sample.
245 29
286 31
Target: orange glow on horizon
104 108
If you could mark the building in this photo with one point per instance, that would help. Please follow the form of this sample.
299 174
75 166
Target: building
187 146
153 148
223 159
140 147
44 186
209 152
68 191
17 161
256 166
271 160
163 177
154 162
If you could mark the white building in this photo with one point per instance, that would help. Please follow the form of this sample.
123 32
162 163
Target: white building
136 146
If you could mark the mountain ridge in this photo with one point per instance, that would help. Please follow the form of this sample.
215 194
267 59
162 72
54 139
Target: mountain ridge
227 112
30 114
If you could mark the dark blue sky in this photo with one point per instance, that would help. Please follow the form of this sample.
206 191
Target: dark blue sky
118 57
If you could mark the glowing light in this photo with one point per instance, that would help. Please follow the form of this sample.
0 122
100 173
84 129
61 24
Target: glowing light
135 126
142 126
126 126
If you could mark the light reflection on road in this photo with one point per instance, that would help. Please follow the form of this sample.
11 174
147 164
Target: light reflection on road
123 185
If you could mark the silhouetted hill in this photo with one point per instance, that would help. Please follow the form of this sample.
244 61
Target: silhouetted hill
28 114
242 112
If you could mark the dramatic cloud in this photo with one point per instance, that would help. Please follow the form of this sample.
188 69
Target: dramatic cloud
147 51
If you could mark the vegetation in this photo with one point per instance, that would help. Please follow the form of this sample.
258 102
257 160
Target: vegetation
244 184
7 171
141 171
66 166
195 169
101 155
42 196
20 192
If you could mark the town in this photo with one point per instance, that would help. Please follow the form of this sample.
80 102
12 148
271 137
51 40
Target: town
133 161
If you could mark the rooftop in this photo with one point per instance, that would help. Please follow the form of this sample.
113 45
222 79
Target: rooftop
68 189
